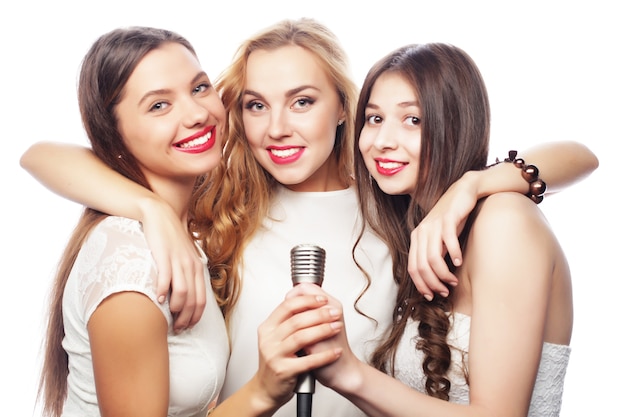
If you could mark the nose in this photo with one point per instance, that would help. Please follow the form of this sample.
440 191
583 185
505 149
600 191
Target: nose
385 138
194 113
279 126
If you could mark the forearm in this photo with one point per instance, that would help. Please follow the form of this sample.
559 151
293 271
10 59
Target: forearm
380 395
75 173
248 401
560 165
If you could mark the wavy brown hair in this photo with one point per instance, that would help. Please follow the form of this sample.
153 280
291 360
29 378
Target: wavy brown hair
454 139
233 205
105 70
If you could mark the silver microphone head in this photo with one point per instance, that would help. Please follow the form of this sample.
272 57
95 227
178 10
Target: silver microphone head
307 264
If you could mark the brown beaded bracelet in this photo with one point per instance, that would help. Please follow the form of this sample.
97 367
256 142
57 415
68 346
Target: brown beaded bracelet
536 186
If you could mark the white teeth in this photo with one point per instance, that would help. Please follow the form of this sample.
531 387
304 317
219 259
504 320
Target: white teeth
390 165
284 153
196 142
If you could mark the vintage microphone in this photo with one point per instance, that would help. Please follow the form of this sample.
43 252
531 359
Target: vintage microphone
307 265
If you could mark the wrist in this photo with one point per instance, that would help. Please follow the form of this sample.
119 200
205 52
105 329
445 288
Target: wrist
350 382
261 401
152 206
535 187
501 178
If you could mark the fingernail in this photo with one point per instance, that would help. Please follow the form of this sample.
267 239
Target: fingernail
428 297
333 312
336 325
321 298
457 261
443 293
161 299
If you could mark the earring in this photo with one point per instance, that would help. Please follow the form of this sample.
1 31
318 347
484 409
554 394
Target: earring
340 122
119 156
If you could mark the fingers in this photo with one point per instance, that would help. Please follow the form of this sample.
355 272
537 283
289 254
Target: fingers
313 361
188 297
164 279
201 297
453 246
307 288
419 268
298 322
426 265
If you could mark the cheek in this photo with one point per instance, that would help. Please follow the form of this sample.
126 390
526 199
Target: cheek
413 145
365 142
252 129
130 135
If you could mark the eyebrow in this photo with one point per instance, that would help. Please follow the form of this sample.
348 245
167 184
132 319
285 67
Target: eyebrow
163 91
288 93
410 103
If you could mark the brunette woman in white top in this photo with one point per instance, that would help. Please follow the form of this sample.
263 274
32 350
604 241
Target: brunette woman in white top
286 179
152 115
499 344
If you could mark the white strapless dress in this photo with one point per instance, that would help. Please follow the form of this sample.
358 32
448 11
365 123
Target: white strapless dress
548 391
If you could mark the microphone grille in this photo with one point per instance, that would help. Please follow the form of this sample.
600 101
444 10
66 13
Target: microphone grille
307 264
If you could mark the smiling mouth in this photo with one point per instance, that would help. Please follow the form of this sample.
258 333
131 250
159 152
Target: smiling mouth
284 153
197 142
389 165
389 168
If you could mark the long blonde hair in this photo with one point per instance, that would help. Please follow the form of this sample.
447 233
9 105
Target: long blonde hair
232 207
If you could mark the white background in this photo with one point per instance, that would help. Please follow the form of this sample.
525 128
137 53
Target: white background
554 71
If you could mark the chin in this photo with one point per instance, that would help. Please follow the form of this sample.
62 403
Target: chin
393 189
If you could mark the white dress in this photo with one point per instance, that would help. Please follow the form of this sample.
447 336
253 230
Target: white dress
548 390
115 258
330 220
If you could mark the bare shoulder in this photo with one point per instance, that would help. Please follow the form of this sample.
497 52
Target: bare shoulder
511 221
510 211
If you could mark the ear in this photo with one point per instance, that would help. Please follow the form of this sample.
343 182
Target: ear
342 117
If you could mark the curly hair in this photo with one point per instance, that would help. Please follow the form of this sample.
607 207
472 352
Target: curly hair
233 205
454 139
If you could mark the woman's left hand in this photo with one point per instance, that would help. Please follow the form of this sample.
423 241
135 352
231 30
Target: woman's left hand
437 235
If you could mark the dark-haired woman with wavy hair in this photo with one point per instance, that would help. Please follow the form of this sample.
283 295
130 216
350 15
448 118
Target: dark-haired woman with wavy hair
153 116
498 345
286 178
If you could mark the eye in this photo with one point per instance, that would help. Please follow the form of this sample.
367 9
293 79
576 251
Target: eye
413 120
255 106
158 106
373 119
303 103
201 88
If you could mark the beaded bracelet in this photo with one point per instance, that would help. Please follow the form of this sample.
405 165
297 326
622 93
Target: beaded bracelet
536 186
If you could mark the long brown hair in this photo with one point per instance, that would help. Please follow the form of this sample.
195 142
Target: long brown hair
105 70
234 207
454 139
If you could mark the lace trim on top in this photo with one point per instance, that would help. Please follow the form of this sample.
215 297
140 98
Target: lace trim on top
547 393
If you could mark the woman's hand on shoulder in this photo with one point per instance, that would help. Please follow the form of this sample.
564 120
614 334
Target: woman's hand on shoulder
178 263
437 236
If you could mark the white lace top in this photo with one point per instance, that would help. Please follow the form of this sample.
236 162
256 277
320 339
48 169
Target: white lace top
116 258
548 390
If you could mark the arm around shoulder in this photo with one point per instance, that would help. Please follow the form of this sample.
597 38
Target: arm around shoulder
562 163
76 173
